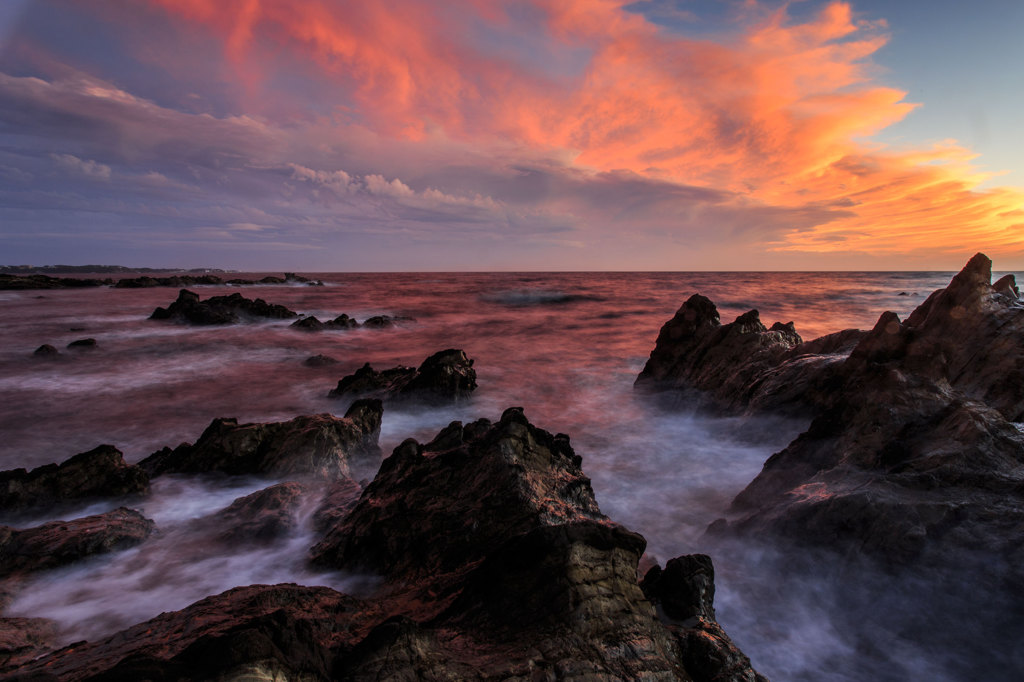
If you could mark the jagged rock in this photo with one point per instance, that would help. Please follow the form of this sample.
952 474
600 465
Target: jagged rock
312 324
685 588
63 542
319 361
445 376
917 451
492 546
230 309
83 344
496 564
737 365
100 472
46 351
426 510
318 445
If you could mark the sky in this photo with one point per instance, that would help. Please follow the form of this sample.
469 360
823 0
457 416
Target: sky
398 135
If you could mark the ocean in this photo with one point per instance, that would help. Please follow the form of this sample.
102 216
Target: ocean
564 346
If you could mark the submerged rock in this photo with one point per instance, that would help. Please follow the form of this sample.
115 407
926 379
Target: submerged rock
83 344
63 542
496 563
319 361
98 473
230 309
312 324
46 351
319 445
445 376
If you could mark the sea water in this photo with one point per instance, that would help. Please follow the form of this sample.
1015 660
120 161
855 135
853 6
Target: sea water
564 346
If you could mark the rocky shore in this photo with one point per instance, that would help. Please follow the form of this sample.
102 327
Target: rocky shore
915 453
494 560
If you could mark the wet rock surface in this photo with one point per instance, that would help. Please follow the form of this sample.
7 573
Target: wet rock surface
98 473
319 445
59 543
444 377
230 309
915 454
260 517
496 563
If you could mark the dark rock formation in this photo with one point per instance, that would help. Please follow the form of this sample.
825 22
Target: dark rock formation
918 452
63 542
915 448
312 324
445 376
46 351
230 309
684 589
83 344
319 361
684 592
496 564
743 365
100 472
317 445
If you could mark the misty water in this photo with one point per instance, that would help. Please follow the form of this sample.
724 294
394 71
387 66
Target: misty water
565 346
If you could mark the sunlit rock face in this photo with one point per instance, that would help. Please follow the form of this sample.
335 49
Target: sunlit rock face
495 563
919 449
742 365
445 377
318 445
914 448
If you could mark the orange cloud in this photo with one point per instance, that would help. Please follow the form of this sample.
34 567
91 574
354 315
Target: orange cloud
780 113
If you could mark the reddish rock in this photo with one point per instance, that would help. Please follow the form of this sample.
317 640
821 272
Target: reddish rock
63 542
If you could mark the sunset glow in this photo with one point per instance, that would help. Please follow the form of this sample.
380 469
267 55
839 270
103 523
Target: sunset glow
527 135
